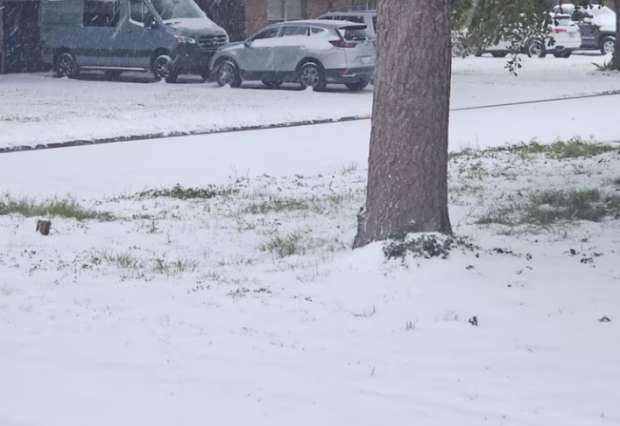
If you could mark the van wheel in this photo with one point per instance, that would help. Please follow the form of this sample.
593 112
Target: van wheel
357 87
162 67
608 45
66 66
113 75
227 73
311 75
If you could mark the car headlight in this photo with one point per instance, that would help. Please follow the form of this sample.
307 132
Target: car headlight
185 40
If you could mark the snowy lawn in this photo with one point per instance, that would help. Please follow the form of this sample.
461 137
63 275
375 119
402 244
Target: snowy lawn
235 298
39 109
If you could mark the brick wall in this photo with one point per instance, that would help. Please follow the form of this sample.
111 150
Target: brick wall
240 21
255 15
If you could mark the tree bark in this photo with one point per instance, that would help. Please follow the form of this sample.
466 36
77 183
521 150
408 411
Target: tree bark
407 173
616 58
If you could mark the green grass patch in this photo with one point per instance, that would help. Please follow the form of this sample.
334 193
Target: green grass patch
560 150
120 260
51 208
173 267
276 205
181 193
550 207
285 245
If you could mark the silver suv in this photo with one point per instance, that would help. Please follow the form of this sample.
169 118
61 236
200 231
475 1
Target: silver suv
313 53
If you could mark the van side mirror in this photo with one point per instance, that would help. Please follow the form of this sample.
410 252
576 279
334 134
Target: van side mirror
247 43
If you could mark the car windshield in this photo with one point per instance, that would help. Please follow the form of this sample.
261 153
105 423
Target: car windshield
176 9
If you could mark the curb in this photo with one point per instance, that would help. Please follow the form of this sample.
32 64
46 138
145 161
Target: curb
163 135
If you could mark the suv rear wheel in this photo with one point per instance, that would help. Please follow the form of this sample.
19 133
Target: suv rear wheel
312 75
227 73
608 45
536 48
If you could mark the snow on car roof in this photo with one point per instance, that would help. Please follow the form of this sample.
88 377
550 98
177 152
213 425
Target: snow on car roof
351 13
324 23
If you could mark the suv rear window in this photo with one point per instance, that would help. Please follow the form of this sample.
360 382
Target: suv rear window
357 33
351 18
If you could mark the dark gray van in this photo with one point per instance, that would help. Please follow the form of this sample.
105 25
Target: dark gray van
165 37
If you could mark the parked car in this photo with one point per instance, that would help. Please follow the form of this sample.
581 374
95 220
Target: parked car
313 53
564 38
165 37
367 17
597 25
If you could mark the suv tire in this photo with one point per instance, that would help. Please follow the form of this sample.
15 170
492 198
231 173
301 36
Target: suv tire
608 45
311 74
227 73
536 48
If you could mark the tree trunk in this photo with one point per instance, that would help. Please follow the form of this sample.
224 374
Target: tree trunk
616 59
407 172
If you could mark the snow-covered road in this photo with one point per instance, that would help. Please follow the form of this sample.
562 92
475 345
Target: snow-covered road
307 150
38 109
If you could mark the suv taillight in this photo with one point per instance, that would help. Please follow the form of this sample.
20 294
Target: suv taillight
343 44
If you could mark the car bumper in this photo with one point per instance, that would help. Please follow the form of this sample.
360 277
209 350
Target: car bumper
565 44
349 75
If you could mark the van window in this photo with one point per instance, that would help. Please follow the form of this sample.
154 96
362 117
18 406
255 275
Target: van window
294 31
101 13
138 10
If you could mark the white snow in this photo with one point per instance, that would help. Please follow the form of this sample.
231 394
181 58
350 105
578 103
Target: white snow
176 312
39 109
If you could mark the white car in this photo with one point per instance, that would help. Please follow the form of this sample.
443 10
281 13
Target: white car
563 39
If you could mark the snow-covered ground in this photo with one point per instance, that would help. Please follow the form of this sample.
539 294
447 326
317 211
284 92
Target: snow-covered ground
247 306
39 109
190 311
